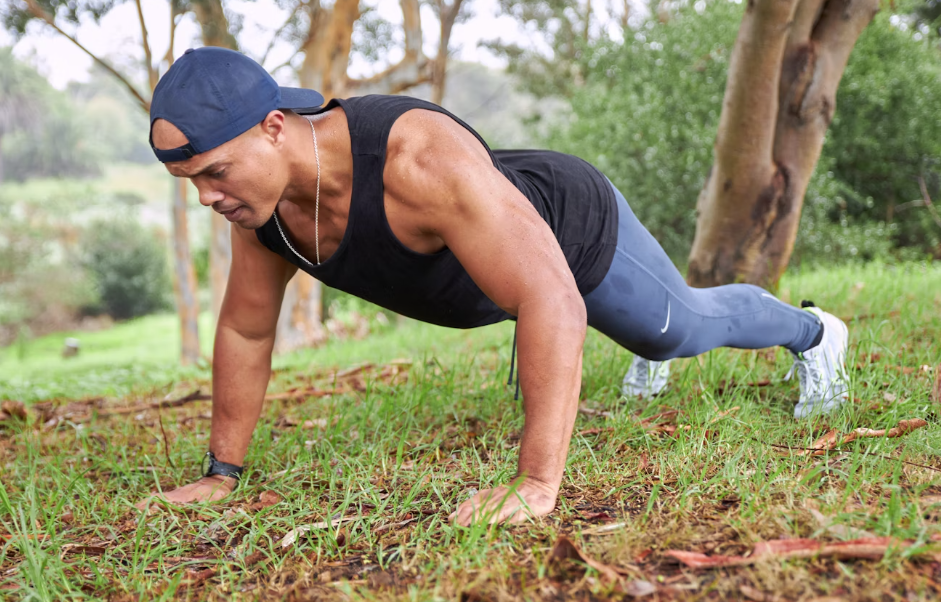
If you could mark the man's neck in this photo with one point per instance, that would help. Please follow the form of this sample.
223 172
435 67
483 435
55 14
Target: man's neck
333 148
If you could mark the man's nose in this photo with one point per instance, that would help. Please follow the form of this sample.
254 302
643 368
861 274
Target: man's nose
208 197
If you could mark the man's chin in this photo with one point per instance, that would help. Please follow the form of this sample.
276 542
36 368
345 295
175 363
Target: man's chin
250 221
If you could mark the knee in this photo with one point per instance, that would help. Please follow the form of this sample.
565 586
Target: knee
660 349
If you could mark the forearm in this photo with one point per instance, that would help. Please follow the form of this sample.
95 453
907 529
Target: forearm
550 338
241 368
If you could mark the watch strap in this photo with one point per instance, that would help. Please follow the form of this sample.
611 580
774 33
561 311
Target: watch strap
215 467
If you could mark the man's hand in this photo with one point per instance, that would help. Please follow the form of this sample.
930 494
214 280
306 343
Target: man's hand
526 498
206 489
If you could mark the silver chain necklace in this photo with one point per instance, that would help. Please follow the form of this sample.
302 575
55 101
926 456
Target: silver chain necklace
316 207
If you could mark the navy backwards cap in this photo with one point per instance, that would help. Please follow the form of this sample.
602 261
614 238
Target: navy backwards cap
214 95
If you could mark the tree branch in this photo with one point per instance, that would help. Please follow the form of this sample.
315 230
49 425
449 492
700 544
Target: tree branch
280 30
928 203
37 11
173 23
145 42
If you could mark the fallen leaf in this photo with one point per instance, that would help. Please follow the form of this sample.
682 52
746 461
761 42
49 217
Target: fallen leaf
870 548
390 526
77 548
890 397
834 438
594 431
317 423
667 414
605 529
759 596
643 462
8 537
639 588
266 500
564 549
598 516
292 536
844 531
14 409
724 413
902 428
592 412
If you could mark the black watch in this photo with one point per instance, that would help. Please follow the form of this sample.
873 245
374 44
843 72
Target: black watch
221 468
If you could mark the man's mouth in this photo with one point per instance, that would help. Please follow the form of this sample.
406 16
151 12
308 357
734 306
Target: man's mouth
232 214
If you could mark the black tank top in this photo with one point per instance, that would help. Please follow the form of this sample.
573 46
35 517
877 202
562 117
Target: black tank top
574 198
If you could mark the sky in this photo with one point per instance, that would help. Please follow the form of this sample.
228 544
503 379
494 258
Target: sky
118 36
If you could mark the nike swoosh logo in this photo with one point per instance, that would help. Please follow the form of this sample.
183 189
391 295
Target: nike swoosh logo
667 325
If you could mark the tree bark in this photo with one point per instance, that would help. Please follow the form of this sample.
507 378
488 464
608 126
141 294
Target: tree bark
447 16
300 324
184 282
215 32
213 24
779 101
414 68
326 59
220 260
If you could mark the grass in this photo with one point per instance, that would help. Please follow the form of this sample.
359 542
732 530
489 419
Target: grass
397 459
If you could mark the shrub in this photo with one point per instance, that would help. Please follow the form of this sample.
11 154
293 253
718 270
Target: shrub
129 267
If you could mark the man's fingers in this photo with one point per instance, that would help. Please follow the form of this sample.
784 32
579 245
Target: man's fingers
490 507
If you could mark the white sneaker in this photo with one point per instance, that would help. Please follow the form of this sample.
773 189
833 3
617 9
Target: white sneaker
821 370
645 378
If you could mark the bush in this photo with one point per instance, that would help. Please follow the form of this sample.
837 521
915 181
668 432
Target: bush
129 267
42 284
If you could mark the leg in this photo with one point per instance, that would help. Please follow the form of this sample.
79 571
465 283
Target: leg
645 305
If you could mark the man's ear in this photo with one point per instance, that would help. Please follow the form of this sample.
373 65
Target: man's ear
273 126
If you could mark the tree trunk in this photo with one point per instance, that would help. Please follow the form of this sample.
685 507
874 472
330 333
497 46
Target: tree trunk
300 324
327 48
1 159
779 100
184 282
214 27
213 24
326 59
220 259
447 15
413 69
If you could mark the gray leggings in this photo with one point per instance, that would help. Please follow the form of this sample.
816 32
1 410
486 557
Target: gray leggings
645 305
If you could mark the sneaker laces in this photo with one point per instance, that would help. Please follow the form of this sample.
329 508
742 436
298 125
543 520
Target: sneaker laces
809 374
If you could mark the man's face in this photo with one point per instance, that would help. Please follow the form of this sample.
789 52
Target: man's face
243 179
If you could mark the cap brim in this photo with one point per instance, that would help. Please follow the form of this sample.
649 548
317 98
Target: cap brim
300 100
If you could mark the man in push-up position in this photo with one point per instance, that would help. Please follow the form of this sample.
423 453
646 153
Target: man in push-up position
399 202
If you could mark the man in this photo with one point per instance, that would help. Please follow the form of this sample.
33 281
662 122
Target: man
399 202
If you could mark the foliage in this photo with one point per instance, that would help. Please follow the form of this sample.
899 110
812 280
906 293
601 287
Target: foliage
557 66
22 93
886 133
648 112
41 284
129 267
60 141
115 128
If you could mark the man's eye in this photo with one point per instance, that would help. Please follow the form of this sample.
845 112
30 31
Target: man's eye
218 174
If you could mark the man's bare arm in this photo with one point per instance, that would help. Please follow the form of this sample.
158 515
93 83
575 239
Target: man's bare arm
241 365
442 173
